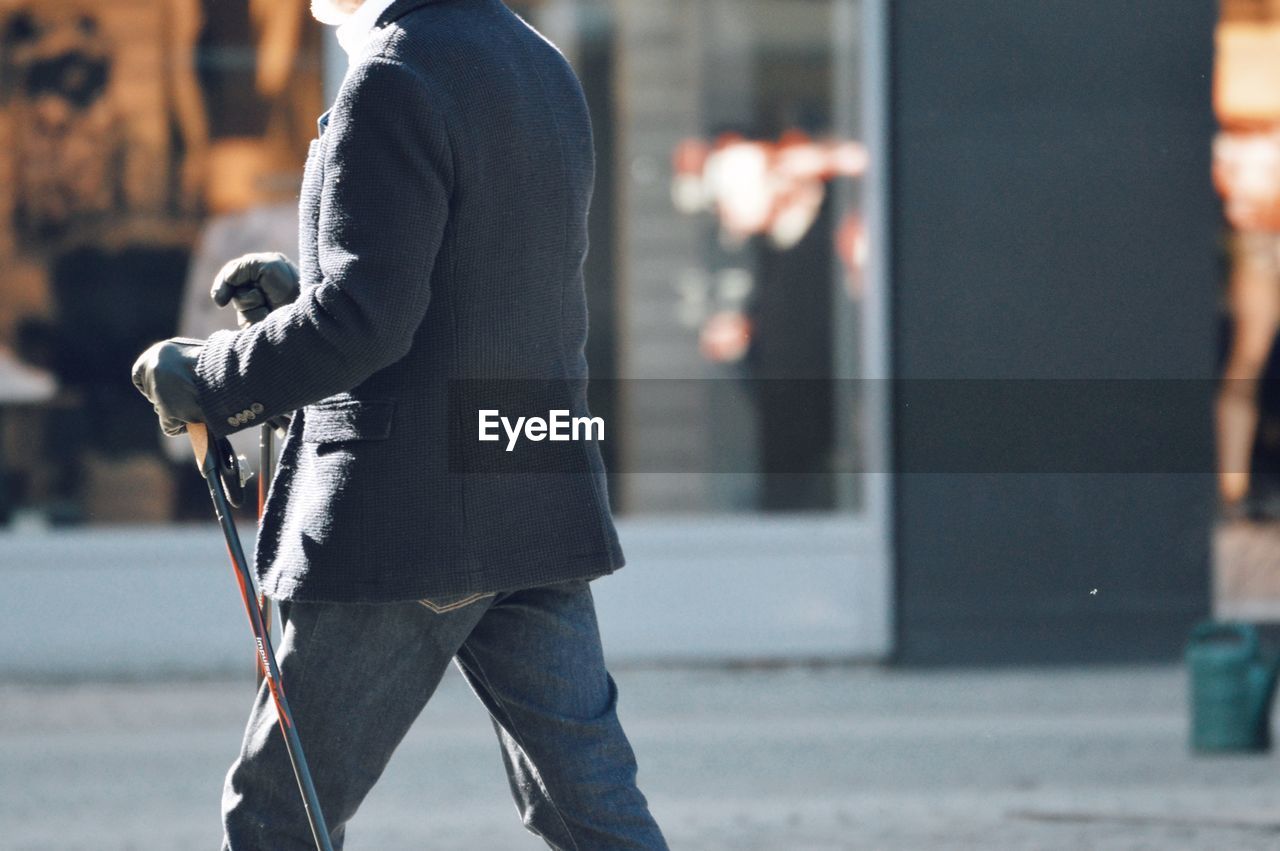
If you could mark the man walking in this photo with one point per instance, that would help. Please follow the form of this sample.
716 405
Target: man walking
442 233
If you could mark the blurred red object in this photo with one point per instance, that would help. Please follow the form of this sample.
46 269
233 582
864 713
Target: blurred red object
689 190
852 246
725 337
1246 172
762 188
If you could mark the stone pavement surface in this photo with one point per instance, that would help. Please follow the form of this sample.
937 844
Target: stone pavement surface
760 760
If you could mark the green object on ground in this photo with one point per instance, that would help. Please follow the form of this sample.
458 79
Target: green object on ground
1231 689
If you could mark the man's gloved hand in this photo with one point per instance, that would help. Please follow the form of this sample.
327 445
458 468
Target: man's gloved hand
165 374
256 284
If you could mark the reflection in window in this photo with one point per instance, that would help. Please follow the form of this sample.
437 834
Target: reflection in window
123 129
145 142
742 249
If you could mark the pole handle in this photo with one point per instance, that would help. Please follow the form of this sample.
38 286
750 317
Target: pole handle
198 434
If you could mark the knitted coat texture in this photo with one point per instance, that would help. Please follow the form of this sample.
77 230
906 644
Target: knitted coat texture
443 228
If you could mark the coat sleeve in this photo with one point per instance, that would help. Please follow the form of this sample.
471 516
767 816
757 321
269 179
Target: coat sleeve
388 178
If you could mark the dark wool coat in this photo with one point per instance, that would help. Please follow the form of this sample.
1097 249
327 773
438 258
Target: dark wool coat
443 227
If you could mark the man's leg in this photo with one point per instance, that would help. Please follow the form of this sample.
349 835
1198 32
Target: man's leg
535 660
356 677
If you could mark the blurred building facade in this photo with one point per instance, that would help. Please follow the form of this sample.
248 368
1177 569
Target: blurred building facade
738 265
773 176
728 274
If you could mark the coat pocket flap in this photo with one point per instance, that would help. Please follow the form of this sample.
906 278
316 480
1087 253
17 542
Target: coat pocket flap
353 420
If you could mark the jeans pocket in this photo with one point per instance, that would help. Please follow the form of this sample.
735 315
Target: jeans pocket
452 602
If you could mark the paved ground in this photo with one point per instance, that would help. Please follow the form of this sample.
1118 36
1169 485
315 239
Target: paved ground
785 760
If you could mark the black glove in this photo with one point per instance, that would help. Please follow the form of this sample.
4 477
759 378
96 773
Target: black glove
256 284
165 374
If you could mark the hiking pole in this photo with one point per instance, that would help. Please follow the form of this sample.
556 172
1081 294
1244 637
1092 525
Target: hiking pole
217 462
265 461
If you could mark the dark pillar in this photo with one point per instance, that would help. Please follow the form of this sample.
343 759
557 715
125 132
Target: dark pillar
1052 217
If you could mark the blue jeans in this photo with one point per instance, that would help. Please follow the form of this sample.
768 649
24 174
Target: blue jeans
357 676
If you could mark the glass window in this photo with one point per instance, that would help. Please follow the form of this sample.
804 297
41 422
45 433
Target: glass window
145 143
137 139
728 248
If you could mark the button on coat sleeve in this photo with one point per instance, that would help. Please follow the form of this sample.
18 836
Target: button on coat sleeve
388 179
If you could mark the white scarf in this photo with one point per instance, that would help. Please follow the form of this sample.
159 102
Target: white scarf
356 31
